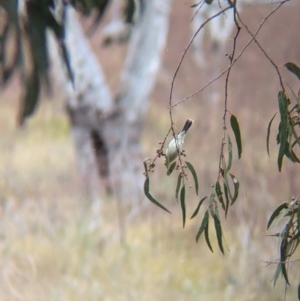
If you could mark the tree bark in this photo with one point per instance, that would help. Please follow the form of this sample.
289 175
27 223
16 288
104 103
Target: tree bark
107 131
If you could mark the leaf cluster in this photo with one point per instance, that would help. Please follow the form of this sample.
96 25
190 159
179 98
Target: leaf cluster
27 32
224 192
288 128
289 236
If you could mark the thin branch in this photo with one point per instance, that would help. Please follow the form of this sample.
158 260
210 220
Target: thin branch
262 49
176 73
231 57
236 59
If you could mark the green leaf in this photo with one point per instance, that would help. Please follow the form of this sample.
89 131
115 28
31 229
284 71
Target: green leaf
283 134
226 198
283 257
236 185
219 195
293 68
218 228
179 180
277 273
297 140
212 195
228 195
276 213
182 204
268 133
198 207
207 236
150 197
171 168
193 172
229 154
237 133
291 154
203 225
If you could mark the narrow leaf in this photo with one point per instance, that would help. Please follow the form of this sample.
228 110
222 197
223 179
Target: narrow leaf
179 179
277 273
236 185
283 134
203 225
150 197
283 257
218 231
207 236
295 135
268 133
219 195
171 168
293 68
237 133
193 172
276 213
229 154
212 195
182 204
198 207
226 198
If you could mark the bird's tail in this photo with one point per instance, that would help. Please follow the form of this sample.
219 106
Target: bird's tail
187 125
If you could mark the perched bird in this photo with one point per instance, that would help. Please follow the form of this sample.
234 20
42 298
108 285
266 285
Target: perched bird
171 152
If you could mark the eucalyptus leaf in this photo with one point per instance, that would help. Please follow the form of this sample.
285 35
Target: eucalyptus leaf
293 68
219 195
229 154
268 133
277 273
236 185
179 180
206 234
171 168
182 204
218 229
203 225
193 172
150 197
237 133
198 207
283 258
276 213
283 134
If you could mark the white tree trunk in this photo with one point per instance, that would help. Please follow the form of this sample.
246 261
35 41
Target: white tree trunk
117 124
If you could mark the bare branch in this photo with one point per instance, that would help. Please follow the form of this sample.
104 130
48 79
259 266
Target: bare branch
234 61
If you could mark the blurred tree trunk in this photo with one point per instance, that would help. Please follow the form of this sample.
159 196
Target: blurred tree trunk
107 130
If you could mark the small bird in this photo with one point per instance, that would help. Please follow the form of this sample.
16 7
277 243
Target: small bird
171 152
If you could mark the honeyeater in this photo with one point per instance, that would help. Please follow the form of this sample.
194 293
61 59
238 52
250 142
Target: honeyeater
177 143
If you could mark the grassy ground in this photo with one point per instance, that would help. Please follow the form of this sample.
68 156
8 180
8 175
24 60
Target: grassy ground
55 245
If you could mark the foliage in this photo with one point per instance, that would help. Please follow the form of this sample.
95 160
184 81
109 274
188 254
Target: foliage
223 193
28 30
288 140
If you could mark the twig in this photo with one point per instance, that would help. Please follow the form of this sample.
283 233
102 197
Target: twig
231 57
262 49
236 59
176 73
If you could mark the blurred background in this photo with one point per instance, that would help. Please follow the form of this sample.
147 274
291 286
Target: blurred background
58 245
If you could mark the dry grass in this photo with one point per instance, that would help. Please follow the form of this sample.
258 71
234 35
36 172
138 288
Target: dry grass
56 246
